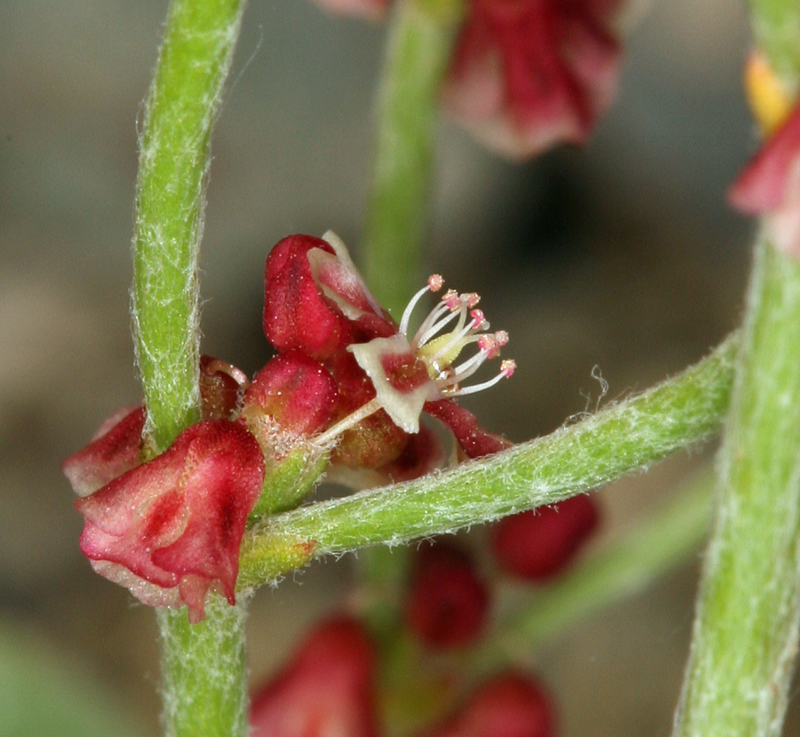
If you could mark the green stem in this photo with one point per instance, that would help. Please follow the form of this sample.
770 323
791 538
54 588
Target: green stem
420 42
170 201
205 679
621 568
204 686
746 628
776 27
604 446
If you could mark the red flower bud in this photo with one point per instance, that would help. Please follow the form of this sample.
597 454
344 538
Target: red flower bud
446 605
326 691
512 705
540 543
295 392
171 529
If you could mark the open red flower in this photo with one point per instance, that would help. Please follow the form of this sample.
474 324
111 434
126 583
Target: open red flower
170 529
317 303
326 691
770 185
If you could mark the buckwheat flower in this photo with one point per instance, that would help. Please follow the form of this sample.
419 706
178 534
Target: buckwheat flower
529 74
770 185
327 690
317 303
170 530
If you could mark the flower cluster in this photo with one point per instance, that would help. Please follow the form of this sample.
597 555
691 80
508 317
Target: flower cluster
348 385
527 74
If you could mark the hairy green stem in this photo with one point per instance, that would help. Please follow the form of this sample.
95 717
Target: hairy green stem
746 629
600 448
170 201
420 42
204 674
622 567
204 686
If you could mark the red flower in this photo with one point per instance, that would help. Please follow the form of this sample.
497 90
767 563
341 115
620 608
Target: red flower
528 74
539 544
317 303
170 530
770 185
511 705
326 691
446 604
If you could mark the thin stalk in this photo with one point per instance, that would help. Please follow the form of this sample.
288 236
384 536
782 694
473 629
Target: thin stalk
600 448
203 673
420 42
745 634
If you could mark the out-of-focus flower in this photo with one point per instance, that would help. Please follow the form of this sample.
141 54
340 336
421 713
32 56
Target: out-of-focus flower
528 74
446 603
317 303
539 544
326 691
770 185
170 529
510 705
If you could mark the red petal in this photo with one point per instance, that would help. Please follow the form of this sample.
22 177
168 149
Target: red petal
326 691
295 390
113 451
447 603
771 177
475 441
538 544
511 705
179 519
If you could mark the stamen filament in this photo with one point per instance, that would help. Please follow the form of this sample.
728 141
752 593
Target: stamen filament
346 423
478 387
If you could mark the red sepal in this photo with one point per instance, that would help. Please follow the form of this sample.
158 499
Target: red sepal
176 522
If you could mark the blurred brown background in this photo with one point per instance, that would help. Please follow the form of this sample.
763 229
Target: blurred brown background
622 256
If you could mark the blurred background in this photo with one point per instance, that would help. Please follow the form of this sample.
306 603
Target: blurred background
622 255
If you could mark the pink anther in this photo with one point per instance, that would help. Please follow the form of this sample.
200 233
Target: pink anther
508 367
435 282
501 336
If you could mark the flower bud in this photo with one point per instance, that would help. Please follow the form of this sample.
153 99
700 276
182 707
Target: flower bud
511 705
540 543
446 604
326 691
